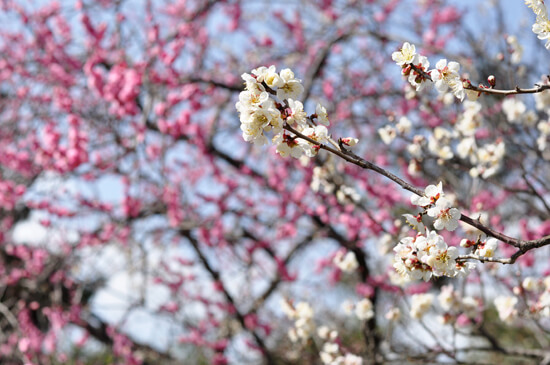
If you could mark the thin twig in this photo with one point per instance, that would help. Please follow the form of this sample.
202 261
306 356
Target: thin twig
486 90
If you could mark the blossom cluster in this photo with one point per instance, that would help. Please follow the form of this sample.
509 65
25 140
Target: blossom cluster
346 262
427 253
302 314
457 308
515 49
332 353
415 67
483 247
327 179
304 330
460 141
542 25
269 102
542 104
362 310
506 307
536 296
438 206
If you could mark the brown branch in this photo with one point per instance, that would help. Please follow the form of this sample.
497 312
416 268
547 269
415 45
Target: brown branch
277 279
97 328
237 87
486 90
318 63
517 90
216 276
504 261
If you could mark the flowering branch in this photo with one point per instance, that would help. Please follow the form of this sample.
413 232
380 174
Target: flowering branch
269 105
524 245
356 160
446 76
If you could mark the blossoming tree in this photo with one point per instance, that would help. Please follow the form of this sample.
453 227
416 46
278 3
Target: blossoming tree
384 211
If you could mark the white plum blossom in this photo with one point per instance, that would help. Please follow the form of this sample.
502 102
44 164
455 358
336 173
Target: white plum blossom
254 98
413 66
448 298
322 116
405 55
351 359
302 314
407 260
542 29
467 148
420 304
542 100
487 249
364 309
440 147
345 194
273 80
291 88
415 222
544 129
463 268
393 314
287 146
447 76
403 126
530 284
506 308
331 355
431 194
416 78
537 6
513 109
440 257
345 262
415 148
515 48
387 133
262 71
257 121
489 159
297 114
470 120
331 347
472 95
318 134
414 168
446 216
350 141
323 332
